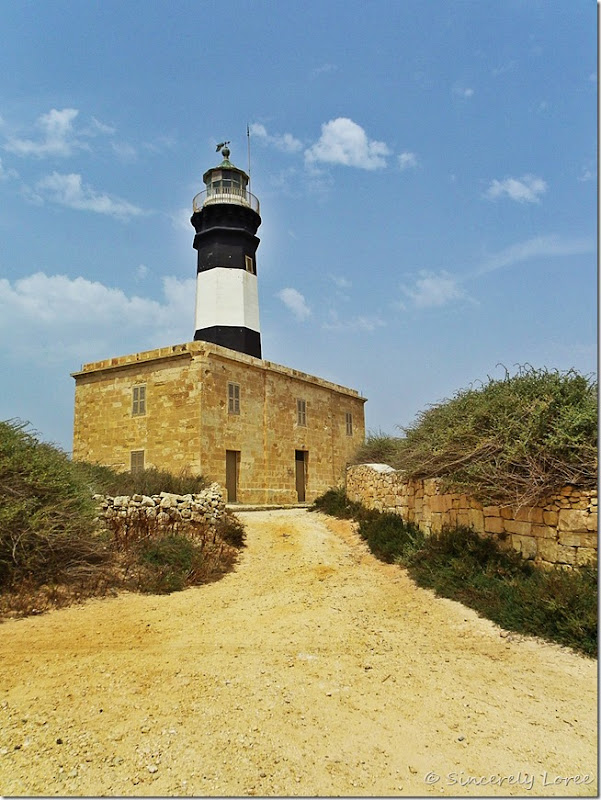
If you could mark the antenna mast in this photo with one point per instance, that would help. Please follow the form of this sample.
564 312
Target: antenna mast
248 140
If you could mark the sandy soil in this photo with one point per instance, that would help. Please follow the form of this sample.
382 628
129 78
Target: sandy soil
311 670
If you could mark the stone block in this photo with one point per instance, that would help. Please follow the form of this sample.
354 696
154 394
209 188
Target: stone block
529 514
544 532
526 545
592 521
520 528
491 511
506 512
550 517
585 555
476 519
572 520
494 525
436 523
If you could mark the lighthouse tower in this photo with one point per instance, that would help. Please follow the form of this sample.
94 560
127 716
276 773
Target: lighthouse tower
226 218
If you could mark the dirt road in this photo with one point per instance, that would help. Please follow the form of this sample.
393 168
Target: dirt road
311 670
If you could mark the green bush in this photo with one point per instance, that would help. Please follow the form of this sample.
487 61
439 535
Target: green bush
52 550
510 441
171 562
388 537
47 514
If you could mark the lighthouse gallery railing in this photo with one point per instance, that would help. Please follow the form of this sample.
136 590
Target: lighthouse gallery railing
232 195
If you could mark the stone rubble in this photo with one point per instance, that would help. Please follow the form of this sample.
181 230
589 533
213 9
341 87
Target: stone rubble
173 511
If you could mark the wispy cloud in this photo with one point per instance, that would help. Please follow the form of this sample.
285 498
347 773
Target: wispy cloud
75 318
340 281
58 137
364 322
538 247
433 289
323 69
285 142
527 189
343 141
295 301
7 172
70 191
407 161
463 91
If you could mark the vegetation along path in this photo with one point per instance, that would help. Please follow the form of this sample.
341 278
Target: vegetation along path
312 669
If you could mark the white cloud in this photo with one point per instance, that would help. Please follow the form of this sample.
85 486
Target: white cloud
6 173
433 290
363 322
407 161
323 69
285 142
537 247
526 189
58 136
295 301
463 91
342 141
340 281
64 318
68 190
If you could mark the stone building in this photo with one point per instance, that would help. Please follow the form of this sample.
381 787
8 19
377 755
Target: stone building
213 406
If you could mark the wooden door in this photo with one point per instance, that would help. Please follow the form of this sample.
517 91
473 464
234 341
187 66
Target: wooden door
232 459
301 474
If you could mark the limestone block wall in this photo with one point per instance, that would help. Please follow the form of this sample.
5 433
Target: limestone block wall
562 531
187 424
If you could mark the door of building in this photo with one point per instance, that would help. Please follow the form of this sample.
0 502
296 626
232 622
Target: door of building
300 458
232 461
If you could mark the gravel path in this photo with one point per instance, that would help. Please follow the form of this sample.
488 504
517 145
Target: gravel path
311 670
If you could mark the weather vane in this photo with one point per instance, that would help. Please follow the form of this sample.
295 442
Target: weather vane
223 146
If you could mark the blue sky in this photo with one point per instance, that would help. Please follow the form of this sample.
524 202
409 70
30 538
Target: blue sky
427 173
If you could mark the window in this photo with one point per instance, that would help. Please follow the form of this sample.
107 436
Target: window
301 413
233 398
138 407
349 424
250 264
137 461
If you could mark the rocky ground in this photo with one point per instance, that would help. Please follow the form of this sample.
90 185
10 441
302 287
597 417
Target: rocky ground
310 670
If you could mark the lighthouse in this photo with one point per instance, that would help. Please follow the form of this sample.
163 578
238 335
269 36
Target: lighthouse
226 218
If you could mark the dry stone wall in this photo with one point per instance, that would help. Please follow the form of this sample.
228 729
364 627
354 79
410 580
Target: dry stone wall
166 511
562 531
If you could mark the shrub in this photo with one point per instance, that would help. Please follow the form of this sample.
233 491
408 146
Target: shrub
106 480
511 441
46 515
378 448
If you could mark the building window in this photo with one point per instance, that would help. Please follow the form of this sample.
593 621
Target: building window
349 424
138 407
250 264
137 461
233 398
301 413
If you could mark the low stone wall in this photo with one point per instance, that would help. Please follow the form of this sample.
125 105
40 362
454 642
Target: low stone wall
164 510
563 531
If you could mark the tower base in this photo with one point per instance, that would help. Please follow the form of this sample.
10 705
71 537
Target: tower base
244 340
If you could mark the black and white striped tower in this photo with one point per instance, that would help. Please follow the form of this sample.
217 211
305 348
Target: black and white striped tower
226 218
